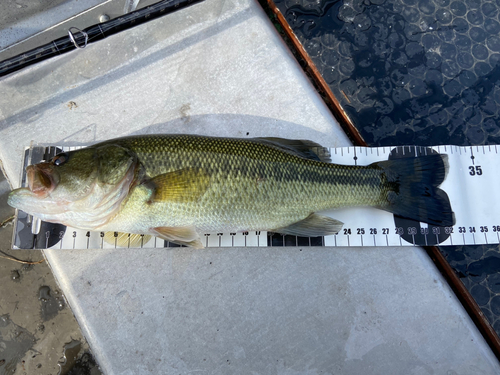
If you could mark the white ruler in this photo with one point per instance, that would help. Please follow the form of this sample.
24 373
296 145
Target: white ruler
470 185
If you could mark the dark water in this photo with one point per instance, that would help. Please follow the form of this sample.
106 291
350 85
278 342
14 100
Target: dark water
418 72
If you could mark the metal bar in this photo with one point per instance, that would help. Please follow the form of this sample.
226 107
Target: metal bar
81 38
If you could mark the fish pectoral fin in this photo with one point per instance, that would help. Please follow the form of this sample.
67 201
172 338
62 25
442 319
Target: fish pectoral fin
183 185
312 226
180 235
121 239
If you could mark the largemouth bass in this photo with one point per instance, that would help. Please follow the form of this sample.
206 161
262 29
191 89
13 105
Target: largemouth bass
178 186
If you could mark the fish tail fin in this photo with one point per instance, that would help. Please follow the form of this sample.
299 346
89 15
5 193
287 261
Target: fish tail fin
413 191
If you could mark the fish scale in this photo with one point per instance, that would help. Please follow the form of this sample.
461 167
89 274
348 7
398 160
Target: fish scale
254 186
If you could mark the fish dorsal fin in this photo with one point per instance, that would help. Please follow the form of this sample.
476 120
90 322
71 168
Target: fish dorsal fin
183 185
121 239
312 226
180 235
303 148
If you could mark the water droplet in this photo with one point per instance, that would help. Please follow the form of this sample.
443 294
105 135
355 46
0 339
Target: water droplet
15 275
70 355
44 293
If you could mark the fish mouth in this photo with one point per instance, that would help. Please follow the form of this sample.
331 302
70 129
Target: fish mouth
41 179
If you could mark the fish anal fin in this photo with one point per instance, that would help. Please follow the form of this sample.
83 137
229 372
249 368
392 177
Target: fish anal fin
122 239
312 226
180 235
184 185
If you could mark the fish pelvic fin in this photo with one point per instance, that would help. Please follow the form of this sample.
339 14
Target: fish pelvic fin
312 226
184 185
412 189
128 240
187 236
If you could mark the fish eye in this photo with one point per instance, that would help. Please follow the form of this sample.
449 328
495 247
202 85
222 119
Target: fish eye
60 159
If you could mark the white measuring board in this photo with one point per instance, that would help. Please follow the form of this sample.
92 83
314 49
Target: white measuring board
470 186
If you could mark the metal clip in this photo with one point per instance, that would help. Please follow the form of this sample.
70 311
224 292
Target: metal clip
72 37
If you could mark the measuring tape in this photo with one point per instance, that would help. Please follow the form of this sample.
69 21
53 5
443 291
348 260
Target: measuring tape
470 185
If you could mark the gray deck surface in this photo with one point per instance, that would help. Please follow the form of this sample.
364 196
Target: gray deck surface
219 68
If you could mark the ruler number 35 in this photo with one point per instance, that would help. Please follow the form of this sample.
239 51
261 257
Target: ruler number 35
475 170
